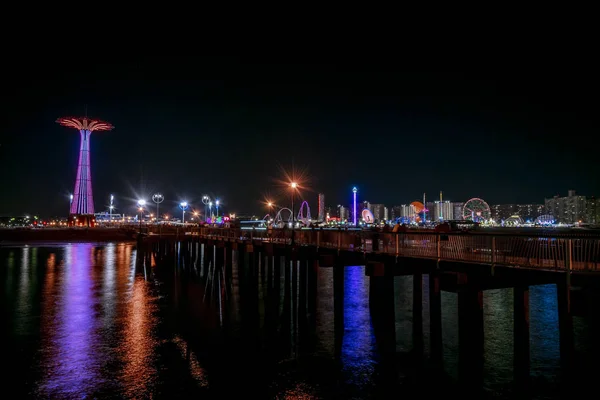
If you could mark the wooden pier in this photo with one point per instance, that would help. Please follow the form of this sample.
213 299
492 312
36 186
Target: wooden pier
464 263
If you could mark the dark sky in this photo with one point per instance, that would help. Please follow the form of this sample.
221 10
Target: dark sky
224 128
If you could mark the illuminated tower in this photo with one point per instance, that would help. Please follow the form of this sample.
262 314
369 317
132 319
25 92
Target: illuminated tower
321 207
354 190
83 201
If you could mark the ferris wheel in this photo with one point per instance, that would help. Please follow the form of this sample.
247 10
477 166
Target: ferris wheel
476 210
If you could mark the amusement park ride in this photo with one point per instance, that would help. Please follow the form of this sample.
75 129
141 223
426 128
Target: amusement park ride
82 204
476 210
303 216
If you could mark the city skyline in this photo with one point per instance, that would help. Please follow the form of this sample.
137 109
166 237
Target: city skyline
129 205
224 131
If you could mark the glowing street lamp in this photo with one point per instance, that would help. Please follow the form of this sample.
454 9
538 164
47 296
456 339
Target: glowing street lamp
205 201
157 198
141 204
217 204
293 185
183 205
70 202
111 207
210 209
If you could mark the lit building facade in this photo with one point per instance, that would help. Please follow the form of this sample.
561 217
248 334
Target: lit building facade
440 210
527 212
342 213
572 209
378 211
457 210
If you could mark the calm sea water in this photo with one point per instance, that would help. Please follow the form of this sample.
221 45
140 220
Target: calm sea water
95 321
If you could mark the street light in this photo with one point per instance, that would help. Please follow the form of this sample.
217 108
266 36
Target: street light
205 201
111 207
210 210
293 185
157 198
217 204
270 205
183 205
141 204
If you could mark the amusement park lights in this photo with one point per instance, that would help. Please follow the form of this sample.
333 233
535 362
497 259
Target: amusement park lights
305 219
354 191
84 201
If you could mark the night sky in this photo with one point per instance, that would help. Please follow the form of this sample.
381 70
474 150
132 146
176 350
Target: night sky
227 130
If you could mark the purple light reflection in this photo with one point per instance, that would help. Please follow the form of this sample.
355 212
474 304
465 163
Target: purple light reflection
358 344
72 368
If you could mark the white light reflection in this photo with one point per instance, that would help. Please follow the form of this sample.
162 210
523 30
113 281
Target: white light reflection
23 306
109 293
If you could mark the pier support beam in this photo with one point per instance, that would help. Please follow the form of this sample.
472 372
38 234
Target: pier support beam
220 256
435 319
383 316
565 327
313 268
417 322
206 256
470 337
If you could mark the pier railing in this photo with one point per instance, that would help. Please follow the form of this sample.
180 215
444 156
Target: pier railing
554 252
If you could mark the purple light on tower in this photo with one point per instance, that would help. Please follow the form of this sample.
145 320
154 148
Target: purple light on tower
83 201
354 190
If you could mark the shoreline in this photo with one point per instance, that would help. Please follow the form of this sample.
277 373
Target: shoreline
65 235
